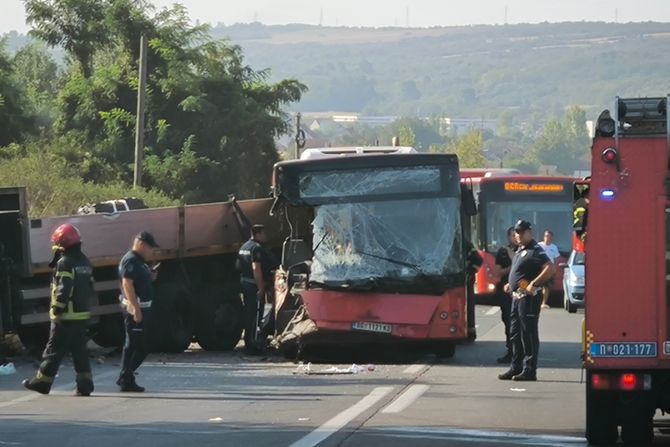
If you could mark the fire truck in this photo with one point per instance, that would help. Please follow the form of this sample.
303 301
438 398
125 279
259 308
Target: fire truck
505 196
627 339
197 283
381 259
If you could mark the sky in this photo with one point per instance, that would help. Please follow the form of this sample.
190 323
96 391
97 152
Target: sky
377 13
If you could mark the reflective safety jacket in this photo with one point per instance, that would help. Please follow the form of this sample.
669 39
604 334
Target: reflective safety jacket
72 287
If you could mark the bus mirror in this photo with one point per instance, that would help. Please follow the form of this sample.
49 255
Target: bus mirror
468 201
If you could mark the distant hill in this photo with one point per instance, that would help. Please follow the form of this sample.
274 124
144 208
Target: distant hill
476 71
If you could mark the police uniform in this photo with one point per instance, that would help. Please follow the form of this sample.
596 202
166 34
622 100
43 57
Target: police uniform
504 260
527 264
71 290
135 349
250 252
474 263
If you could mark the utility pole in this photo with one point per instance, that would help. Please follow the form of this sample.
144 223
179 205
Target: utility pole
139 129
300 138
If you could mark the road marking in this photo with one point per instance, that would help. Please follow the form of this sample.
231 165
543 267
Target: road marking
341 420
64 387
413 369
406 399
493 311
489 437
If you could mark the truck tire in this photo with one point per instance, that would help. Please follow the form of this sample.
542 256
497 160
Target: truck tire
219 322
34 337
601 424
171 327
109 332
637 428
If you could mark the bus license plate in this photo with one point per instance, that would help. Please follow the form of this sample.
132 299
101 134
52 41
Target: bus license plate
618 350
372 327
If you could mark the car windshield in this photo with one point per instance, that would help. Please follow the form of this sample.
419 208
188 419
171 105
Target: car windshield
398 239
578 258
554 216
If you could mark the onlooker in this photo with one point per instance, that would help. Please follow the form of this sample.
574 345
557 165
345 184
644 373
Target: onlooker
553 254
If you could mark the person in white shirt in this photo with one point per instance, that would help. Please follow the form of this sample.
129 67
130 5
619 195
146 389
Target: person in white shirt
553 254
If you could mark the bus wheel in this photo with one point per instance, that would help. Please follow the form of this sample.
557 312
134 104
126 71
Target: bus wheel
445 350
601 425
109 332
219 321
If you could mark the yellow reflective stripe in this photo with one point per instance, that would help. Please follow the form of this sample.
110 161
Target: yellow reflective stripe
58 305
65 275
42 378
76 316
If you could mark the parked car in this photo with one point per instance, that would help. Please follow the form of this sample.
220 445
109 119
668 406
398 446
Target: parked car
573 282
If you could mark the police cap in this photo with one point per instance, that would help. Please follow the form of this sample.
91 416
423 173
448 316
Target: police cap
147 238
522 225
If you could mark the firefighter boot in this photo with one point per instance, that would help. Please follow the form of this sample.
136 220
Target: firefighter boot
37 385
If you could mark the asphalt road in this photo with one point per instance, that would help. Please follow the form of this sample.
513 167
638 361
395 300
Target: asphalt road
203 399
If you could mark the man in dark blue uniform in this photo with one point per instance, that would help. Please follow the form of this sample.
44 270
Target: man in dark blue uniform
137 295
255 266
503 265
531 269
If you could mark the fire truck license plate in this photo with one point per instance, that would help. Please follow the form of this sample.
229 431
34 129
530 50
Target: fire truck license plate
372 327
624 350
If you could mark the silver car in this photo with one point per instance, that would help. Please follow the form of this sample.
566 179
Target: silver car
573 282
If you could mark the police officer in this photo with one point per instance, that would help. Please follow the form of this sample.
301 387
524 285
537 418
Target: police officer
137 294
531 268
474 262
72 289
503 265
255 267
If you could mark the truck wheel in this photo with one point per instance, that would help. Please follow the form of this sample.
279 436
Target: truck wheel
171 328
601 425
637 427
34 337
219 322
109 332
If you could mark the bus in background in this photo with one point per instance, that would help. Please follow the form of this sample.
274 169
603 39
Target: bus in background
503 198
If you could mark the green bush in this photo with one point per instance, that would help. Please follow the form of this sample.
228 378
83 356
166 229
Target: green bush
55 187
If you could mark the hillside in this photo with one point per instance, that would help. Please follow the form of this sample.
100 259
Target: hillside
477 71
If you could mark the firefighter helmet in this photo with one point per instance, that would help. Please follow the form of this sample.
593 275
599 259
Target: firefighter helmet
65 236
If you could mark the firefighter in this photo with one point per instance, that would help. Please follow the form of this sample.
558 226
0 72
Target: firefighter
72 289
137 296
531 269
255 266
474 263
503 264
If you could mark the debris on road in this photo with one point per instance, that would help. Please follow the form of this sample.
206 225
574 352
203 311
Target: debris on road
7 369
333 370
518 390
216 420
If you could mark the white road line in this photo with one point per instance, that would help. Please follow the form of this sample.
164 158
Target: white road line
413 369
406 399
493 311
492 436
65 387
341 420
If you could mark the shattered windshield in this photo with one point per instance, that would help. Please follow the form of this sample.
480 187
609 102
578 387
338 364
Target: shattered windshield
352 240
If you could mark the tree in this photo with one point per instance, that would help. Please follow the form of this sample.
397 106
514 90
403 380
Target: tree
16 119
78 26
469 148
38 73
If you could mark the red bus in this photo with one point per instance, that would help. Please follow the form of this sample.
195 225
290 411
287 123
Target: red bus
503 198
381 258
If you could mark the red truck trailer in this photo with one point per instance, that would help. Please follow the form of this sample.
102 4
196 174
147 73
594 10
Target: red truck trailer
197 296
383 258
627 247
